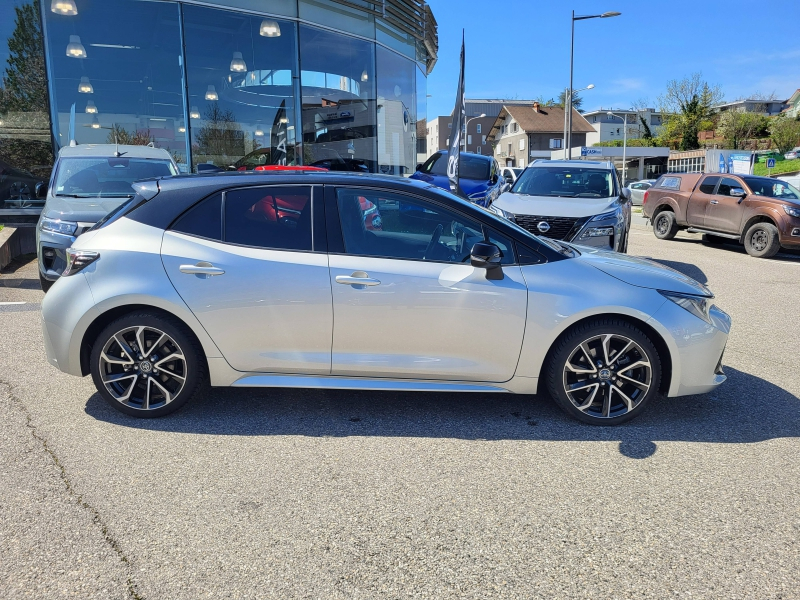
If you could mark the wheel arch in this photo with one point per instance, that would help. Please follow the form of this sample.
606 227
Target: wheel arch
112 314
758 218
664 352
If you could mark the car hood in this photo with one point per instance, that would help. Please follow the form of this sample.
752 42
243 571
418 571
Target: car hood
642 272
84 210
550 206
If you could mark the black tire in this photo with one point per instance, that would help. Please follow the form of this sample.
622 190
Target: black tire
557 375
714 240
762 240
664 225
165 390
45 283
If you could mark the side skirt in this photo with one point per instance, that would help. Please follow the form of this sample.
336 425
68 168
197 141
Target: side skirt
358 383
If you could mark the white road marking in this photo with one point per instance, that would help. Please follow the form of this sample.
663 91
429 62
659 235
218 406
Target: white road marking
7 303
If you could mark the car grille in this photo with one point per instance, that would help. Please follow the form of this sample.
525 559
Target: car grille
561 228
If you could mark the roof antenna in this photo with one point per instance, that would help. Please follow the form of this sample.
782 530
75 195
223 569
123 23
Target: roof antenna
116 146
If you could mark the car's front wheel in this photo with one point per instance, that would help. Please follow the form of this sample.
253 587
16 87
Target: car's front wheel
604 372
147 365
762 240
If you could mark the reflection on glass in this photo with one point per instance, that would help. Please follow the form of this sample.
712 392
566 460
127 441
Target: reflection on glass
396 108
26 152
421 91
339 106
133 73
240 73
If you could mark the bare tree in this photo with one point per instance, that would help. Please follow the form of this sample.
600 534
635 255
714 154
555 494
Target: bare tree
687 105
737 127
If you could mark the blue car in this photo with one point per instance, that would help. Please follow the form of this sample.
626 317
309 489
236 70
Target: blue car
480 176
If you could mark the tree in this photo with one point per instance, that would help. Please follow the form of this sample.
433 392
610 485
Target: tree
24 84
784 132
120 135
737 127
688 107
221 135
577 101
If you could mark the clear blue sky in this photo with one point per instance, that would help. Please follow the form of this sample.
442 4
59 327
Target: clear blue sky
520 48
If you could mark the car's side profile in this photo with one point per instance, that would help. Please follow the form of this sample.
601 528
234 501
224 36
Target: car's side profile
181 286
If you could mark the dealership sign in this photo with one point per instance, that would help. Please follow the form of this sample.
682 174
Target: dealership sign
591 151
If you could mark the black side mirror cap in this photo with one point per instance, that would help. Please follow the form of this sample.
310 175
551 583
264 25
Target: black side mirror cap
419 167
487 256
41 190
626 194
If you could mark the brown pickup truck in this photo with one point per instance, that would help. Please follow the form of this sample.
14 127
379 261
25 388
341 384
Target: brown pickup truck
759 212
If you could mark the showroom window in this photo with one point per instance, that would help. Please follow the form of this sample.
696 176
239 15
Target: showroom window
240 77
123 83
396 121
278 218
26 150
339 109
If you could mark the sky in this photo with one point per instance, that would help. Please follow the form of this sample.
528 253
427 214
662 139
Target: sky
520 49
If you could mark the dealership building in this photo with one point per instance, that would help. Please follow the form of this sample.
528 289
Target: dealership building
339 83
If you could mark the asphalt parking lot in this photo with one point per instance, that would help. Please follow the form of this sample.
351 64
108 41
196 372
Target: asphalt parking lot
323 494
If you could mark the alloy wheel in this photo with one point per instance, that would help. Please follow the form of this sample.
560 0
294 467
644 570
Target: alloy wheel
143 367
607 376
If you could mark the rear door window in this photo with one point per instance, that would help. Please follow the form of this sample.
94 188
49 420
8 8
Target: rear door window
708 184
203 219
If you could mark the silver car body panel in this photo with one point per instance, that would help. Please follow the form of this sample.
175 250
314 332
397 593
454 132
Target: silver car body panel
555 206
426 320
270 310
453 317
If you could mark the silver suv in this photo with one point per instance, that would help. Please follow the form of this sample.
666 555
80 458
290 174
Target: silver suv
576 201
88 182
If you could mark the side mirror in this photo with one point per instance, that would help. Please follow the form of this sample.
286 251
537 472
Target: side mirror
494 179
626 194
41 190
738 192
419 167
487 256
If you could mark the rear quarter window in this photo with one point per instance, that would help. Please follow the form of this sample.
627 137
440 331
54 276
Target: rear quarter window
670 183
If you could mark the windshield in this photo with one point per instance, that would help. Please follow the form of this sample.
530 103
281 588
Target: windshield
472 167
107 177
517 172
774 188
565 182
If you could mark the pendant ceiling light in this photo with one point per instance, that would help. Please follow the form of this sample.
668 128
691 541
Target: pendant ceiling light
259 132
85 86
95 123
91 108
270 28
64 7
284 120
237 64
211 93
194 113
364 75
75 49
181 129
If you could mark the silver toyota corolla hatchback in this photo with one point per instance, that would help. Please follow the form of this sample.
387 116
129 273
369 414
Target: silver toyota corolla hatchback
349 281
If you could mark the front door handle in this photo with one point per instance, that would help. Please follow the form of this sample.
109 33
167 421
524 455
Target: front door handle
202 269
715 202
359 280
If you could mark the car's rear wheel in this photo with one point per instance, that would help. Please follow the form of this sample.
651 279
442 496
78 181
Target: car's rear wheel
604 372
762 240
147 365
664 225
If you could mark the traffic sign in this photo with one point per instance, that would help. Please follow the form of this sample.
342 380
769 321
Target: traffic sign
770 163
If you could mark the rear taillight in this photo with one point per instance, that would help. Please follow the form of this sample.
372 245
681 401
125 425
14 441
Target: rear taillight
644 200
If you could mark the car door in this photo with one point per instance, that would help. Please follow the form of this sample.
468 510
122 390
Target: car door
637 192
406 301
254 271
700 199
724 212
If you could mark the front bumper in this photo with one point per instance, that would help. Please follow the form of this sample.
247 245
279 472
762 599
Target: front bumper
696 347
51 250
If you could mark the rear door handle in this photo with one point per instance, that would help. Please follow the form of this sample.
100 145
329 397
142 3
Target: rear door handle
359 280
201 268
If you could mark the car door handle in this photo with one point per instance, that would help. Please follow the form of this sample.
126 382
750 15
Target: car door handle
357 280
715 202
201 268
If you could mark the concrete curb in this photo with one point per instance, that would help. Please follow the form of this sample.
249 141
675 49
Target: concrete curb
16 241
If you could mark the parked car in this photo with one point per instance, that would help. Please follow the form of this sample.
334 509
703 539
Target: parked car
759 212
638 188
510 174
179 287
792 154
19 188
479 176
90 181
575 201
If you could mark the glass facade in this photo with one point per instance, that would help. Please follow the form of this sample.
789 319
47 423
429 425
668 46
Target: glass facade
233 83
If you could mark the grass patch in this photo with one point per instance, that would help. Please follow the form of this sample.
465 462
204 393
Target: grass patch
783 166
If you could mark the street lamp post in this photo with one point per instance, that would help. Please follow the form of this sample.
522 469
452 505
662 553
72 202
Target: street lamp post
466 128
568 95
624 118
605 15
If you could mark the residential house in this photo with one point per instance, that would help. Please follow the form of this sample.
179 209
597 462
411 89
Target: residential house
521 134
793 105
608 128
755 105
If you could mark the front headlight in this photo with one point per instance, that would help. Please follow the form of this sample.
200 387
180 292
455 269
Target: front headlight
503 213
598 232
791 211
699 306
59 226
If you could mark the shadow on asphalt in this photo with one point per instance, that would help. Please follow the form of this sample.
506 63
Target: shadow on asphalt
746 409
736 248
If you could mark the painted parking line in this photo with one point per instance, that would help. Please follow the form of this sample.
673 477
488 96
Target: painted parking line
7 303
19 306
